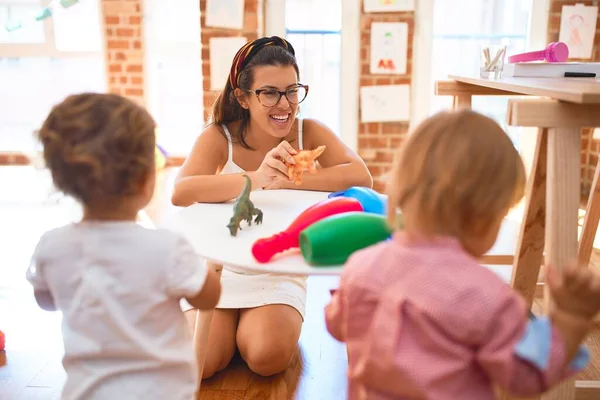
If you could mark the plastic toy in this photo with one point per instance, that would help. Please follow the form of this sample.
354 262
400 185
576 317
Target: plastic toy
305 160
372 201
160 158
332 240
244 210
554 52
2 341
264 249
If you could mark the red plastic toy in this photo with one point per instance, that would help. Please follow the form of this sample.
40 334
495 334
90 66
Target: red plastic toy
264 249
2 341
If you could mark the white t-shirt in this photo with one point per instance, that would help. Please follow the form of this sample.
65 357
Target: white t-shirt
118 286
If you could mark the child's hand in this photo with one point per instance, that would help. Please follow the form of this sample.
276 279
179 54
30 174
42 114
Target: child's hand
575 290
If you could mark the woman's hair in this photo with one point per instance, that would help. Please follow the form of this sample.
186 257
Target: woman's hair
98 146
272 51
457 171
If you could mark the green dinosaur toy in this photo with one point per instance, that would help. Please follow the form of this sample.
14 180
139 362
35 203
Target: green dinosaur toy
243 210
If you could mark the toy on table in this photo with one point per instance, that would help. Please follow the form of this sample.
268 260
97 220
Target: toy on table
2 341
372 201
160 157
305 160
264 249
160 154
554 52
244 210
332 240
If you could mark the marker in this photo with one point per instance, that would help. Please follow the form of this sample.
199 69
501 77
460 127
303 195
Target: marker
580 75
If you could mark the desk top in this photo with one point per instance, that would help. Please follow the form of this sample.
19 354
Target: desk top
574 90
205 226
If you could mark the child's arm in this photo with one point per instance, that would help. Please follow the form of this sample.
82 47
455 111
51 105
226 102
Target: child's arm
44 299
188 277
334 315
528 357
209 296
35 276
576 294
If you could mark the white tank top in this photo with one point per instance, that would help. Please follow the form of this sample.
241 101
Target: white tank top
232 168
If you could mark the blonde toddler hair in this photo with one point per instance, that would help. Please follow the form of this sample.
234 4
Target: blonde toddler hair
456 171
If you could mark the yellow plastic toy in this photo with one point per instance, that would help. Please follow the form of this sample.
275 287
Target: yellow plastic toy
160 155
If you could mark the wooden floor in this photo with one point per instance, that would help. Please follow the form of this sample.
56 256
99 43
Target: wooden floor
30 368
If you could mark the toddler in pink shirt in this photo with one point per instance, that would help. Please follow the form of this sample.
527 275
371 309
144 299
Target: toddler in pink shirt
420 317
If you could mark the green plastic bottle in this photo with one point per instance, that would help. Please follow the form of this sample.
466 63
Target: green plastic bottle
332 240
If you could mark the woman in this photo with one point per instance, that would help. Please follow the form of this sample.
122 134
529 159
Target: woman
254 127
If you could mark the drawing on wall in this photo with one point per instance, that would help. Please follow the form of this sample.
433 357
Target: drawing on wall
384 103
222 50
577 29
225 13
388 5
389 46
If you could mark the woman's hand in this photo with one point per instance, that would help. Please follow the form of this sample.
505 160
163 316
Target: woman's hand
575 290
273 169
283 183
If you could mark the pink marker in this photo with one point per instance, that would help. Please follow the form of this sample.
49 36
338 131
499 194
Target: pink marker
554 52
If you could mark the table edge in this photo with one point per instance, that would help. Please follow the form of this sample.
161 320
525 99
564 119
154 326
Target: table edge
320 270
578 98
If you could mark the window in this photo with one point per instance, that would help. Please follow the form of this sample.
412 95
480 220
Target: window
13 17
174 72
78 28
460 27
313 27
41 62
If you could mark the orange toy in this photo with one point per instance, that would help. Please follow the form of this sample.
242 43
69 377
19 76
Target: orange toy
305 160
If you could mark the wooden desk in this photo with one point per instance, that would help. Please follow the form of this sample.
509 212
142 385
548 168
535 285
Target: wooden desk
549 228
574 90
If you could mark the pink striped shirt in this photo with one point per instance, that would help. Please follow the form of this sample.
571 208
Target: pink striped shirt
423 320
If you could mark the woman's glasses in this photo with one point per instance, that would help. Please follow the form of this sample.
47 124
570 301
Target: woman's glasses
271 97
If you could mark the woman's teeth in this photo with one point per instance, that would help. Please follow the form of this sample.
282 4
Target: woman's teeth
280 118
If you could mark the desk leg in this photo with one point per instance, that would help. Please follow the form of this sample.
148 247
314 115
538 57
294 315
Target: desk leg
202 330
590 222
530 247
564 146
461 101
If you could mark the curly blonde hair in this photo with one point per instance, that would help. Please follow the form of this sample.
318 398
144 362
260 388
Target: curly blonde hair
98 146
457 170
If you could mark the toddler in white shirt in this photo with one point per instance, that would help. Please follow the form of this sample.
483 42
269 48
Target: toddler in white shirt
117 284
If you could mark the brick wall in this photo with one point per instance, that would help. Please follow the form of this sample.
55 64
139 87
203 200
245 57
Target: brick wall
252 29
123 32
590 147
377 142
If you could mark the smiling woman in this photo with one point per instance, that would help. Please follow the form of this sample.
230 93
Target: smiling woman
254 130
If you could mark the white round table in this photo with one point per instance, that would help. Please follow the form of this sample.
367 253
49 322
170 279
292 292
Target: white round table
205 226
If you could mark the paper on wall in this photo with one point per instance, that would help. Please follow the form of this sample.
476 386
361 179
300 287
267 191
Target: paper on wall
385 103
389 47
225 13
222 50
388 5
578 28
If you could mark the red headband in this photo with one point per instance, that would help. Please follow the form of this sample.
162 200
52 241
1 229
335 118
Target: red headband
245 54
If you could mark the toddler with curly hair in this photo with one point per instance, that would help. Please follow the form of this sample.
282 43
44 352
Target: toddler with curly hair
117 284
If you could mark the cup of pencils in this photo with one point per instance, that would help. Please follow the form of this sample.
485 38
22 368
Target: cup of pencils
492 61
